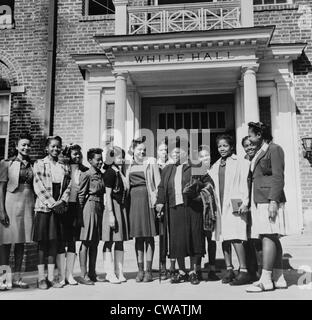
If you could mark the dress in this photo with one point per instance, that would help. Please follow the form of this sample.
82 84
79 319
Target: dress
91 202
19 203
141 216
113 180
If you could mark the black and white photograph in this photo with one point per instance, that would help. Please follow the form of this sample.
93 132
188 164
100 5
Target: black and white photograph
156 151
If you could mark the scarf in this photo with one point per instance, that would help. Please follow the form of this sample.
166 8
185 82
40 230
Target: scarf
178 185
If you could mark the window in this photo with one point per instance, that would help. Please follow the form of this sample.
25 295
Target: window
4 123
264 2
265 111
110 106
98 7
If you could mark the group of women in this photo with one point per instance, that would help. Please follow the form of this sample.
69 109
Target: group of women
57 201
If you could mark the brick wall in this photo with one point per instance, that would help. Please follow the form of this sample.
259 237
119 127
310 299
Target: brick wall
288 21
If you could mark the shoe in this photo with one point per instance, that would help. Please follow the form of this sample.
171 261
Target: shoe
172 274
241 279
71 282
282 284
140 276
163 275
260 287
86 281
55 284
95 278
212 276
229 276
148 276
42 284
111 278
180 278
194 279
20 284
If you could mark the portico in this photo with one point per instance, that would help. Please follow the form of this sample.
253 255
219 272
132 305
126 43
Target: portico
241 62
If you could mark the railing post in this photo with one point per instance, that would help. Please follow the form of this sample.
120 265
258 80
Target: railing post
247 13
121 16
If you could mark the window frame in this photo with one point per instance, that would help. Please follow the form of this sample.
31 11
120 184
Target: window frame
6 137
274 4
86 11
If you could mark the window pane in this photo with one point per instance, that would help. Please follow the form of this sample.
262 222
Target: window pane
162 121
170 121
187 120
2 148
195 120
212 120
221 120
268 2
4 125
204 120
98 7
4 105
179 121
257 2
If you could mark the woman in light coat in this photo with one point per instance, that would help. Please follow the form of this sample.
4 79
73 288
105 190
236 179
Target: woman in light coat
230 175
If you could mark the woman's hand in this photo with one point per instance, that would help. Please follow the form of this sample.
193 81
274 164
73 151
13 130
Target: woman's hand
111 219
4 219
273 210
59 207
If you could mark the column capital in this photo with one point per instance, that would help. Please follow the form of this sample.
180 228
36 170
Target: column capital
122 75
249 68
120 2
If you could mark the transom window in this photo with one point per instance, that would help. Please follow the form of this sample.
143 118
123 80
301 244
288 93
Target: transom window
192 120
4 123
98 7
264 2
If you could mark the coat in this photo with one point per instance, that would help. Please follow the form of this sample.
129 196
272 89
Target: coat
235 187
268 175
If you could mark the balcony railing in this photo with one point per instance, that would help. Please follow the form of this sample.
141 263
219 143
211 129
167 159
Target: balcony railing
186 17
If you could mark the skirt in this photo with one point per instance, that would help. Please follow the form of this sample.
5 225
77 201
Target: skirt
92 221
141 216
261 224
47 225
68 223
20 209
186 232
121 230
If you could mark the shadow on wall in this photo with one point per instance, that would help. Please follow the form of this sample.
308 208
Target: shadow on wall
302 66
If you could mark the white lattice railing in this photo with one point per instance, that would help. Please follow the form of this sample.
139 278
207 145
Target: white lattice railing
187 17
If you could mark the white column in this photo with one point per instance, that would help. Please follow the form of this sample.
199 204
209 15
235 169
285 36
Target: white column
92 125
285 134
251 104
120 108
121 16
247 13
239 120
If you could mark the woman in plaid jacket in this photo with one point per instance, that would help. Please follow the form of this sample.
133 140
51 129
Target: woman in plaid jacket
52 187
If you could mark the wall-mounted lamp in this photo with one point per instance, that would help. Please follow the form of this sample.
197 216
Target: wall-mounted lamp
307 145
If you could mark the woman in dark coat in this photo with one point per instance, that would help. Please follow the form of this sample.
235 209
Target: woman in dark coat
267 206
185 218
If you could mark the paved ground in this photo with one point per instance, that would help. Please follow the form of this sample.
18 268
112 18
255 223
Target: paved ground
158 291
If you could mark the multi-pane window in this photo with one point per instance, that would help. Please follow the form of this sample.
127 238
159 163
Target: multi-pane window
98 7
110 106
261 2
4 123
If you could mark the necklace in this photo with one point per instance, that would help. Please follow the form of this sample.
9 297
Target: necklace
223 162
